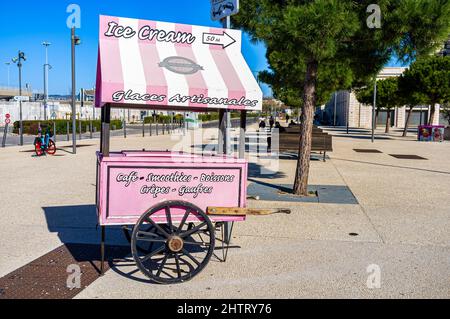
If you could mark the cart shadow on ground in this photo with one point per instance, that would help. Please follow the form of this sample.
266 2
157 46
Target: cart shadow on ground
76 227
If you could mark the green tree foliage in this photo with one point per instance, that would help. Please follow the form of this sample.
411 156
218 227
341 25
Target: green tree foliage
317 47
365 95
428 79
388 97
409 98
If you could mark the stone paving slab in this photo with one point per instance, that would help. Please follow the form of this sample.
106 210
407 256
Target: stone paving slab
330 194
401 218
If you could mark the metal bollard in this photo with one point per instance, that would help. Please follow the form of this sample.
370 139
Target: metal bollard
143 128
157 133
80 129
150 128
90 128
124 129
5 132
68 131
54 132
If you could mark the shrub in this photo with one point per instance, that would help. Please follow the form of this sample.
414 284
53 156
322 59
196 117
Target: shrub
162 118
31 127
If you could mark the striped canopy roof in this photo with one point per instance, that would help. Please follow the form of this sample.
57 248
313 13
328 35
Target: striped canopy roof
173 66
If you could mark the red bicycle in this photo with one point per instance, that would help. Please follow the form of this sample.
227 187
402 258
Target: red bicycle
44 144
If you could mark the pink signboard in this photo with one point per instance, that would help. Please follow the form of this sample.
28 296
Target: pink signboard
130 184
173 66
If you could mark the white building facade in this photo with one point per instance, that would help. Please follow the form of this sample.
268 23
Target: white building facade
344 107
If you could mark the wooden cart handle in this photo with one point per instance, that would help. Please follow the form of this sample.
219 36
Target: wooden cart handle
236 211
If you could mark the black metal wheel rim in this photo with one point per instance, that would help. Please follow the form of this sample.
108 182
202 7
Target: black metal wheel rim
174 252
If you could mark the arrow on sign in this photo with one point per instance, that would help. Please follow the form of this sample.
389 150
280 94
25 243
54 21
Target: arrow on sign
225 40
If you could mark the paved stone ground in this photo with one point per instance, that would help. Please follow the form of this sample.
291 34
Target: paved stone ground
402 218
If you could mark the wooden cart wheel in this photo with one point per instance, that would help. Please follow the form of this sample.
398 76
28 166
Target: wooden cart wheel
173 252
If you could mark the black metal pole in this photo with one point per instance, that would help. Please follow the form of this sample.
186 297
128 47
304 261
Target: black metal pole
102 251
74 124
5 132
242 134
80 127
20 99
124 127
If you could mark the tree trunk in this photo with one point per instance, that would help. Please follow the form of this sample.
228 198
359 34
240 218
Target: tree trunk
408 117
388 121
432 112
306 126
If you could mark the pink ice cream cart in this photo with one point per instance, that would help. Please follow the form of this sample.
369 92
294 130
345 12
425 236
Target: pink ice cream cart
171 204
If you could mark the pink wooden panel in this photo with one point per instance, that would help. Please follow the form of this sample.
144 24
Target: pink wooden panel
130 188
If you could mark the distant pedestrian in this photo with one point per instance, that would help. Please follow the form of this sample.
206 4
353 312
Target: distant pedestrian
262 125
280 128
287 118
271 122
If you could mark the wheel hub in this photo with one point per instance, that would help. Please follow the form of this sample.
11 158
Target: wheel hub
175 244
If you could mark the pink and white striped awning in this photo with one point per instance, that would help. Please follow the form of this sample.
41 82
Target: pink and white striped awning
173 66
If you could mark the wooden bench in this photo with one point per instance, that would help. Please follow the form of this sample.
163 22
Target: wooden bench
296 129
321 142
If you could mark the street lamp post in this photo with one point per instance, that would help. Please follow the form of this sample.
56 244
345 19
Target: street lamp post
18 60
75 41
46 69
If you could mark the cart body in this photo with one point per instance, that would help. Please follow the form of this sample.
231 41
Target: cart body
129 183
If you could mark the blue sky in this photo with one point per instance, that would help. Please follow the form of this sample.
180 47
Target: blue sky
37 21
45 20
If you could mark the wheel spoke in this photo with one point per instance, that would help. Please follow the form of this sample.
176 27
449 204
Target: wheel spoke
177 262
191 257
151 240
161 267
146 233
162 231
157 251
197 243
183 221
169 218
193 230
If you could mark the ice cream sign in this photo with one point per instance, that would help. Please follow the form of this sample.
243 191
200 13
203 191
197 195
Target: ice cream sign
171 65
